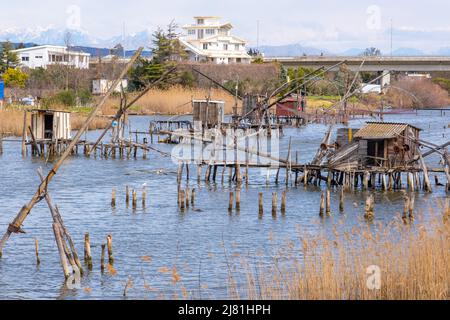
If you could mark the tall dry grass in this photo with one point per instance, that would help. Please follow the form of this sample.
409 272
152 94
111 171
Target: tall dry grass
413 260
11 121
174 101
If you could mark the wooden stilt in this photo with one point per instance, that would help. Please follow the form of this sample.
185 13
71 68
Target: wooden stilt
87 251
110 250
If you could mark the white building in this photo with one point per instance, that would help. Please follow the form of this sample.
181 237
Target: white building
210 40
43 56
101 86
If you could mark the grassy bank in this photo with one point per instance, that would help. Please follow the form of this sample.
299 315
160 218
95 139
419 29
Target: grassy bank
413 261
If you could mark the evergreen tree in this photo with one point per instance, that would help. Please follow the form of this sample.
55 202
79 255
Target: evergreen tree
167 53
8 58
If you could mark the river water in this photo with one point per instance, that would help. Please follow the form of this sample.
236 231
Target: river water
149 243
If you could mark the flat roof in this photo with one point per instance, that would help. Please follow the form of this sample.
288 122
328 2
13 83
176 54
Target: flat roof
48 111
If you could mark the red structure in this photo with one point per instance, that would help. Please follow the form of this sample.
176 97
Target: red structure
290 107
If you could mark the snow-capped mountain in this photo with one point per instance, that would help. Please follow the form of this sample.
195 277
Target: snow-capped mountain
55 36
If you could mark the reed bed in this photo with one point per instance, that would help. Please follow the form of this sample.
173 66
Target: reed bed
174 101
413 262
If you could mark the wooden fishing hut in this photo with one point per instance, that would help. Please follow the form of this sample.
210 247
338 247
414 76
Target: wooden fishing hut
377 144
50 125
209 113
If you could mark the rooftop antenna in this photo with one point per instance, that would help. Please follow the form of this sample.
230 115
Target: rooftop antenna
257 35
392 38
123 40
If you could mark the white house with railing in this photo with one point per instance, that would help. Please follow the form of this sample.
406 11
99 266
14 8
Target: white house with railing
211 41
43 56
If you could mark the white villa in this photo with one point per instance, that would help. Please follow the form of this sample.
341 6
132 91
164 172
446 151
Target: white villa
210 40
42 56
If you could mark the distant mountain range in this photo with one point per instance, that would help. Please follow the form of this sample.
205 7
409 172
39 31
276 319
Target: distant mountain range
96 46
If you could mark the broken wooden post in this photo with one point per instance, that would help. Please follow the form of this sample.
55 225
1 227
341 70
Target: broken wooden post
182 200
113 198
230 203
274 204
134 199
144 197
322 204
283 202
261 204
87 251
193 197
62 253
102 259
127 196
36 247
238 200
369 208
110 250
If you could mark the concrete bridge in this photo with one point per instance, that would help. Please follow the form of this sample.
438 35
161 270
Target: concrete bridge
371 64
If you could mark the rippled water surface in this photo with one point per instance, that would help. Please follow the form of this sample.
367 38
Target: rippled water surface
149 242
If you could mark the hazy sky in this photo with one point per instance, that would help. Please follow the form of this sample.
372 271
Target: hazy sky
332 25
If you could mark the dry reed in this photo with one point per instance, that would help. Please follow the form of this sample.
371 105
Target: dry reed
413 263
176 100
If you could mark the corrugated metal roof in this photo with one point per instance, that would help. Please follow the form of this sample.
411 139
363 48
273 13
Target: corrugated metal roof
382 130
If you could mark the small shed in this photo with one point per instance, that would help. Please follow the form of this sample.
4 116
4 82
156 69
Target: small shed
387 143
291 106
210 113
50 125
379 144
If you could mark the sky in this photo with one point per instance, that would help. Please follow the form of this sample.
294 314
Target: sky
330 25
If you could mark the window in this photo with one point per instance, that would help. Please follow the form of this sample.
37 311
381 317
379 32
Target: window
25 59
205 46
200 21
191 32
38 57
236 47
225 47
210 32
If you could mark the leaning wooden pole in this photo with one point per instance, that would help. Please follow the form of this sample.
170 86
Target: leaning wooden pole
16 225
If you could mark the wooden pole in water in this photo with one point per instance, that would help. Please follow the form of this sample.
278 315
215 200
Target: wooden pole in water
16 225
274 204
193 197
230 203
113 198
24 133
283 202
341 200
102 259
110 250
412 202
182 200
62 254
238 200
127 196
322 204
426 177
36 247
144 197
261 204
134 199
369 209
328 203
87 251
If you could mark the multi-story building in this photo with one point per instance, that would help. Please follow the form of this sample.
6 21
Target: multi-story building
43 56
211 41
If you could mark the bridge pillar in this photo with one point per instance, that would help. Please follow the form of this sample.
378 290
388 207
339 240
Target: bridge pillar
386 79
